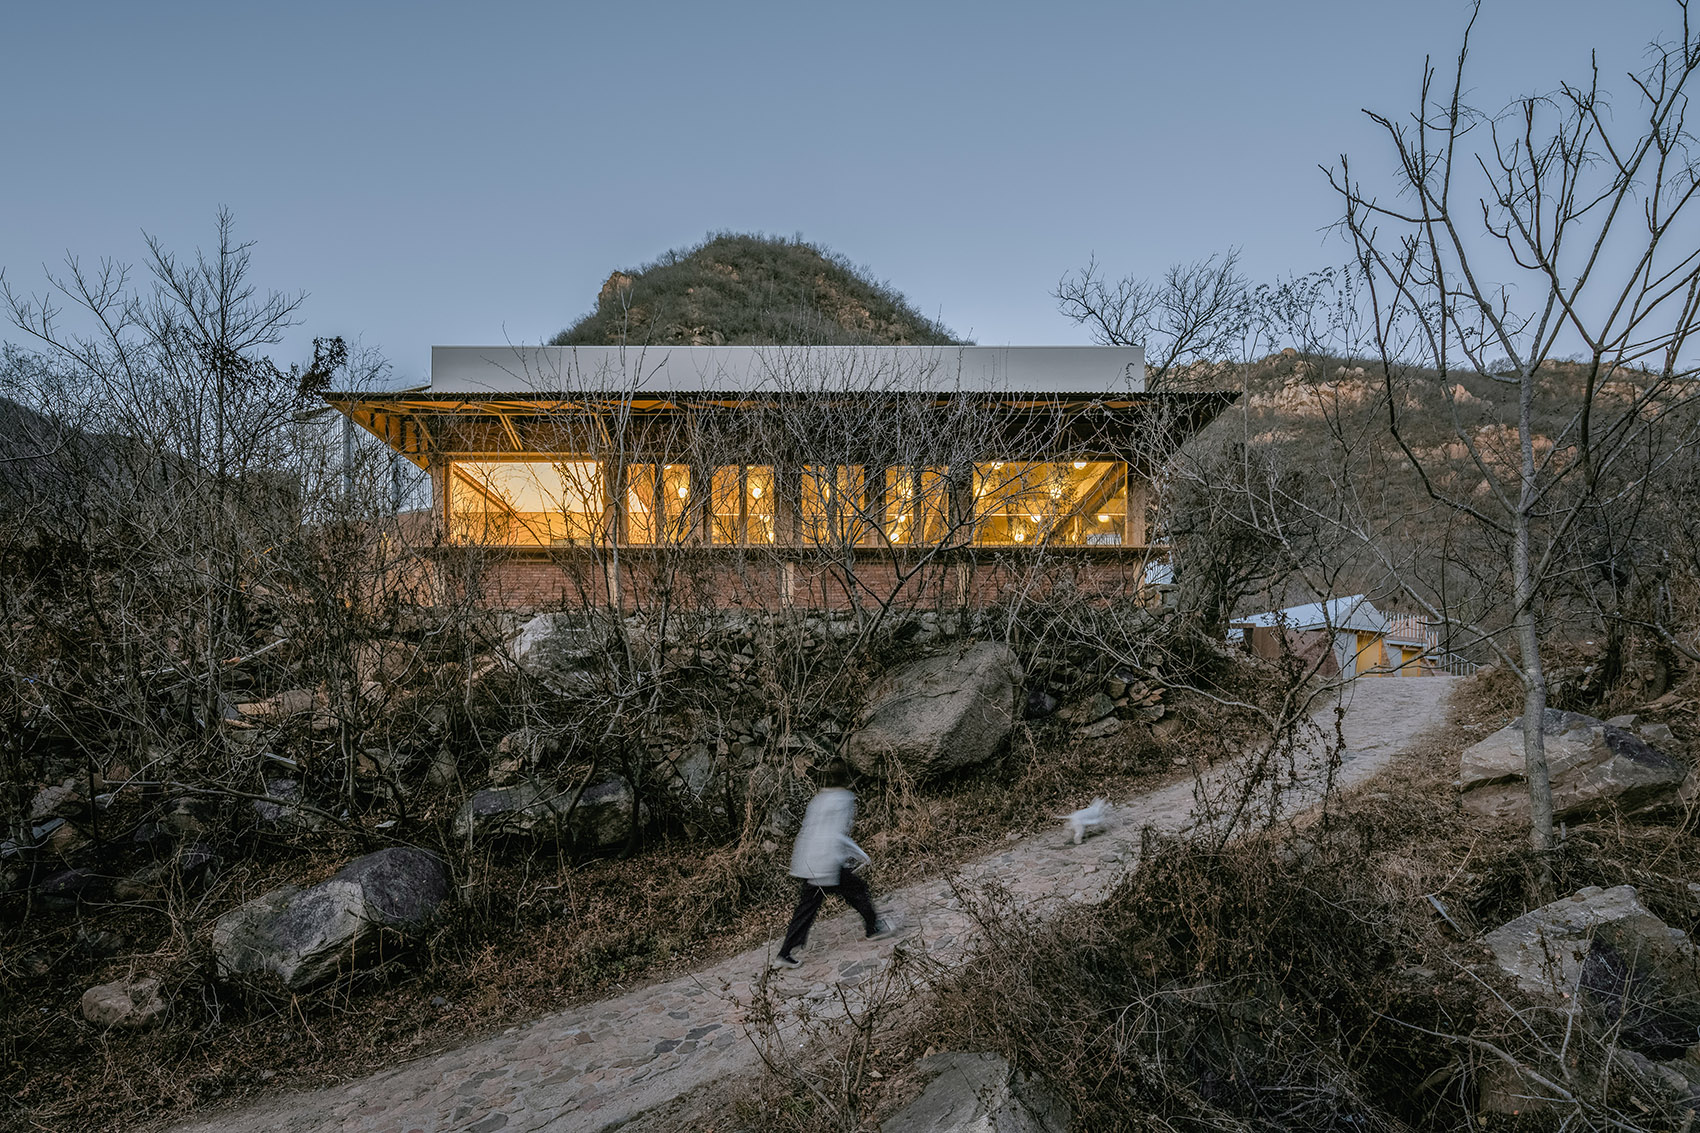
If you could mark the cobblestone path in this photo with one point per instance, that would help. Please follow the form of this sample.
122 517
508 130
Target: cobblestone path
594 1066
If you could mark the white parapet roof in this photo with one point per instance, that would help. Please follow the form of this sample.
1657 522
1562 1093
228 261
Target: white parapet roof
485 370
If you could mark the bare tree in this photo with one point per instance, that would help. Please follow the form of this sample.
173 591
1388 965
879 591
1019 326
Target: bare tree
1190 321
1501 242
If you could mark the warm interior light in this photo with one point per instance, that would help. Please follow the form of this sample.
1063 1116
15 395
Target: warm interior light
755 492
1103 519
1079 464
1021 536
684 490
997 465
1056 492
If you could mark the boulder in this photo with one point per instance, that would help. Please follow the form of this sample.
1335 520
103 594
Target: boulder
1088 711
188 816
977 1093
1659 736
1638 974
63 800
560 650
281 809
302 936
939 714
599 817
1039 704
1097 730
289 703
131 1003
518 753
1592 765
444 768
61 837
71 889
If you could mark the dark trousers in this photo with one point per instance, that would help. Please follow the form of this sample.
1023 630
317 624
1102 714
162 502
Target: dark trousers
850 887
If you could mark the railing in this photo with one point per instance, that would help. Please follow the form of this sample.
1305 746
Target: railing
1409 627
1415 629
1454 665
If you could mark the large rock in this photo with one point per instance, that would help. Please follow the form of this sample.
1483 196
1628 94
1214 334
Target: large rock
284 808
129 1003
977 1093
1641 976
63 800
599 817
1592 765
72 889
559 650
303 936
938 714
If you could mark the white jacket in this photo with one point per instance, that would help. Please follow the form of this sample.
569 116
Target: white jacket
823 844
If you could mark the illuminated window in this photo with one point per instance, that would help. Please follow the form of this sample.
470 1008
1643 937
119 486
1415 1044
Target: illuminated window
917 505
1079 503
658 504
831 504
528 503
743 504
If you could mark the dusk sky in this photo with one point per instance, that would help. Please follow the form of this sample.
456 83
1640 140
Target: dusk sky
470 174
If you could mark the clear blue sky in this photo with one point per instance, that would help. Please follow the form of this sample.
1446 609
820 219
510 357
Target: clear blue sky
437 173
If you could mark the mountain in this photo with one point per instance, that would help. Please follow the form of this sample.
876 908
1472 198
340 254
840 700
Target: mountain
743 289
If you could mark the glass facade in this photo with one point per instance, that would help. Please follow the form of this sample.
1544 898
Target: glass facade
658 504
917 506
831 506
527 503
743 511
1078 503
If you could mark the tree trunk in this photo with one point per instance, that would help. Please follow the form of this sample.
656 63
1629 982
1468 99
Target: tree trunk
1535 768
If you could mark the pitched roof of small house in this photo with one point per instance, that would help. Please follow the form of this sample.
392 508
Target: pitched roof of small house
1355 612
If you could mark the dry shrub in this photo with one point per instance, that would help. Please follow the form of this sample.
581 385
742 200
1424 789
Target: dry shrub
1304 979
1493 692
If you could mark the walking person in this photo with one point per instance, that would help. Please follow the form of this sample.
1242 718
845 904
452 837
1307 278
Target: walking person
822 862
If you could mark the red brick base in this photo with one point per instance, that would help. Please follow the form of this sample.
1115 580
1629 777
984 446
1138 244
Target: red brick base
732 579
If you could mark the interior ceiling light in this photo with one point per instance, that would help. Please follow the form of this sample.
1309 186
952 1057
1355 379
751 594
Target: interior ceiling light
1079 464
1103 519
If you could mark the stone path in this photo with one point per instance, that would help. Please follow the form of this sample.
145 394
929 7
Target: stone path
600 1064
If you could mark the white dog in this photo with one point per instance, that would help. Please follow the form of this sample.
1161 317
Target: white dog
1087 819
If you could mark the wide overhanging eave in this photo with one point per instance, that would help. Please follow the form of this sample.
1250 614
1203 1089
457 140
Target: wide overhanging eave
403 419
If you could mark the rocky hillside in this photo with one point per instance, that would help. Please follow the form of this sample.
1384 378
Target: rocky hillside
1317 427
736 289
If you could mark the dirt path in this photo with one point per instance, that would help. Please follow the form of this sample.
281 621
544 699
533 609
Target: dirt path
597 1065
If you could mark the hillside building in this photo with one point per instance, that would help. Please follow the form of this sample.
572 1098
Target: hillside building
1348 637
825 476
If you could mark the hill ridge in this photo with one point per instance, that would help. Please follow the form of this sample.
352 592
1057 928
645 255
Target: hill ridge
748 289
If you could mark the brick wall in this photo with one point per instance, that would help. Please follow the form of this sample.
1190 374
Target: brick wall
731 580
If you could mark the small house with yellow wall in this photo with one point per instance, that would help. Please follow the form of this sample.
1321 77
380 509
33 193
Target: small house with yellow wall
1345 637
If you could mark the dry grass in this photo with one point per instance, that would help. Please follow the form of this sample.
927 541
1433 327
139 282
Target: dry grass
535 933
1299 979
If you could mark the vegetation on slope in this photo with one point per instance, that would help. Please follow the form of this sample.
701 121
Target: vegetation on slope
744 289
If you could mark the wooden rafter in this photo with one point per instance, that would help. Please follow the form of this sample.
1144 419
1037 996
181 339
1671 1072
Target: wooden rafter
513 434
